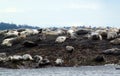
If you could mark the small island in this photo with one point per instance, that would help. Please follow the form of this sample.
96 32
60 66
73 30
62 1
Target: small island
63 47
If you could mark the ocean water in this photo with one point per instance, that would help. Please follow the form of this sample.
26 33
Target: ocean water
63 71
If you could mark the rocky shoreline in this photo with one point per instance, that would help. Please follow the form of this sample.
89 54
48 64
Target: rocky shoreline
59 47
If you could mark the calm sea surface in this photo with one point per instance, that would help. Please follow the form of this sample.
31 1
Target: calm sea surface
63 71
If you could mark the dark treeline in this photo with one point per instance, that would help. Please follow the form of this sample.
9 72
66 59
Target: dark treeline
5 26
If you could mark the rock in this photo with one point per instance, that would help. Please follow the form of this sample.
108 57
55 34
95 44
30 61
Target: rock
99 59
29 44
27 57
69 49
115 41
38 58
113 51
61 39
59 61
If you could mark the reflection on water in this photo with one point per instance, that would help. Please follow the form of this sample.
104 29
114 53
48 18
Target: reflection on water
63 71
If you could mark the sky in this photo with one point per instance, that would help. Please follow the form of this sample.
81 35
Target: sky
46 13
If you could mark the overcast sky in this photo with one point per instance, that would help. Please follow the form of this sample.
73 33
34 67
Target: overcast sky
61 12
